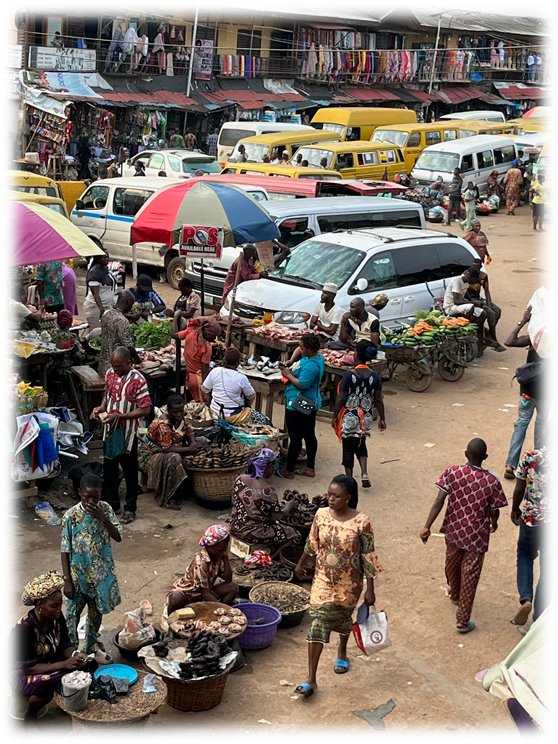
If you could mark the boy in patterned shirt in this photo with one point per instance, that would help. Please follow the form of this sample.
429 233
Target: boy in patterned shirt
475 496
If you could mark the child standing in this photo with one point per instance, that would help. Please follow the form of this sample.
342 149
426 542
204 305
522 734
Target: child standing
87 561
474 497
470 196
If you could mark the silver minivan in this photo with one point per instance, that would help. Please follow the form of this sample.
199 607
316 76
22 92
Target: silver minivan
476 157
297 219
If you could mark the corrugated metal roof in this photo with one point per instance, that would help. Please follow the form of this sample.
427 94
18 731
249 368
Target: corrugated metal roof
155 98
523 94
371 94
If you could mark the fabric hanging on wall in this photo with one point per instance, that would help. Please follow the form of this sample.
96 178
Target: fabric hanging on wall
170 69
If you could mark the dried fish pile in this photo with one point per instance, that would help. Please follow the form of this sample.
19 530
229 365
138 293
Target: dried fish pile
287 598
217 456
304 511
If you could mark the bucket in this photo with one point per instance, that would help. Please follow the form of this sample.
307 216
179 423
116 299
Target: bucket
75 698
259 636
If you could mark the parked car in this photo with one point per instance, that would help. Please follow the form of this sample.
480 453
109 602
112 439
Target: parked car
175 163
405 264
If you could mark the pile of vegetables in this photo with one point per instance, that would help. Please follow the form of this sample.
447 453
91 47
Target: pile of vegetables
431 328
148 335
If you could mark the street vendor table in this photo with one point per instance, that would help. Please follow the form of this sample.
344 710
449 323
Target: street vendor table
286 347
266 387
36 360
238 333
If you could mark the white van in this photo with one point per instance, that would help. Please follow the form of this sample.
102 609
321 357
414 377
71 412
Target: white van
476 115
476 157
233 131
295 217
535 139
400 262
105 213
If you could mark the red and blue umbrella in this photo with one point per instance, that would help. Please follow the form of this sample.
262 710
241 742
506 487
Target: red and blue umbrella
228 207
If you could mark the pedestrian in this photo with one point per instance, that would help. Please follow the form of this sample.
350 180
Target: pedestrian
198 337
513 181
139 168
87 562
342 540
188 302
247 270
359 392
191 140
100 290
177 141
538 192
454 195
115 330
303 401
475 496
457 305
212 143
69 289
493 188
480 290
470 197
84 156
531 398
50 285
531 512
125 400
478 240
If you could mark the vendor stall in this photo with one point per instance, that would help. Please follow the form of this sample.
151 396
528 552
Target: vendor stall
284 340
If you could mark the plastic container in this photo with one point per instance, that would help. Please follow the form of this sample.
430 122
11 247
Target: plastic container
259 636
75 698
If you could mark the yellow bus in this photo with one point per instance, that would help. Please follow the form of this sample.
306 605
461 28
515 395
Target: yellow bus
257 147
289 171
356 159
359 123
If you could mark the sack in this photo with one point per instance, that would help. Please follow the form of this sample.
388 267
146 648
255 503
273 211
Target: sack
304 404
371 631
115 439
136 632
529 373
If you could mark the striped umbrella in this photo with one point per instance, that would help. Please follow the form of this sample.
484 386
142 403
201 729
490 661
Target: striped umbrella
42 235
209 204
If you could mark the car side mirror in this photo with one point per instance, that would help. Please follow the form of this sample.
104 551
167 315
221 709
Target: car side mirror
129 161
79 205
362 284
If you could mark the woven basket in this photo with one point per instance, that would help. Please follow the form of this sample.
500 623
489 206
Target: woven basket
194 695
216 484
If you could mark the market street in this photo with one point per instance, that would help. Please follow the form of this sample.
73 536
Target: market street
430 670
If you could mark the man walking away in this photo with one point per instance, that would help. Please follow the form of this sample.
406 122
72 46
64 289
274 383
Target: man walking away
115 330
531 398
474 497
212 143
454 194
126 396
538 192
530 512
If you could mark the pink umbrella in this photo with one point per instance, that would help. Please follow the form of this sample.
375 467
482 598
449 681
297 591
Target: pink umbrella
34 234
538 111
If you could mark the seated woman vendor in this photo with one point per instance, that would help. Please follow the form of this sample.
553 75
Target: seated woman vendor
209 575
256 508
146 301
43 650
160 454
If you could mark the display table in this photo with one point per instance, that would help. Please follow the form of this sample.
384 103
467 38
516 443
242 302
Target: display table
266 387
238 333
91 382
259 343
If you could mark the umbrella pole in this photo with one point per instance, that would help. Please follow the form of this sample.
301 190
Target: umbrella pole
233 299
178 363
202 277
134 261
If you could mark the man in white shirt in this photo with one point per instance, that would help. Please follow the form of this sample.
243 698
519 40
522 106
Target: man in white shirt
327 316
18 311
456 305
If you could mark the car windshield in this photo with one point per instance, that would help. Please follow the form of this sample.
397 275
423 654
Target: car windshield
551 170
316 263
314 155
56 208
229 137
392 136
254 153
207 166
445 162
39 190
339 128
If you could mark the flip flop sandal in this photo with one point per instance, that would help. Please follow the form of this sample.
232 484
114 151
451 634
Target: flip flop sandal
341 667
127 518
305 690
522 615
279 474
509 474
366 483
468 628
173 506
306 475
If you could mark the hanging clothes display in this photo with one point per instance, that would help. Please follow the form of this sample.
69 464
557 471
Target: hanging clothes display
115 49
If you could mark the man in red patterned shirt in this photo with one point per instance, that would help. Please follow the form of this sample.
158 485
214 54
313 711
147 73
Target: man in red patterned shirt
474 496
126 395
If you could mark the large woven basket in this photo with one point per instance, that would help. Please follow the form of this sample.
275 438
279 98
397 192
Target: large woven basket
194 695
215 484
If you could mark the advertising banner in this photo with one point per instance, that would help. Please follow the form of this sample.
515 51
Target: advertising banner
201 241
203 59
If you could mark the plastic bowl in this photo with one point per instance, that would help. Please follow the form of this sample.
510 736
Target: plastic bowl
259 636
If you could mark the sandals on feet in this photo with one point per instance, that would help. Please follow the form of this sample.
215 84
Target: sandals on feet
305 690
466 628
366 483
341 666
522 615
127 517
308 475
282 474
509 473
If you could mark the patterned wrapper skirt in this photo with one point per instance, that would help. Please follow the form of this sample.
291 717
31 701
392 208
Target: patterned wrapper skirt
329 618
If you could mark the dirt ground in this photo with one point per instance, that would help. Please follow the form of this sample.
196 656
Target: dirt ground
429 671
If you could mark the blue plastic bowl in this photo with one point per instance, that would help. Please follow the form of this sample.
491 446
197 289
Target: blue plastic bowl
259 636
119 671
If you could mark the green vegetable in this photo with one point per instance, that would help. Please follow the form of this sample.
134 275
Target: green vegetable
96 342
148 334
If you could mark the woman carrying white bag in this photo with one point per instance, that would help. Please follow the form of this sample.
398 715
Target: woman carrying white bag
342 540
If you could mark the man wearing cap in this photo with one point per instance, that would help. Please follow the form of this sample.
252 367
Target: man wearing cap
457 305
327 315
146 300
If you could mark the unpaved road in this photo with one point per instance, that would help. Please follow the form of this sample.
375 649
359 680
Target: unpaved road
430 678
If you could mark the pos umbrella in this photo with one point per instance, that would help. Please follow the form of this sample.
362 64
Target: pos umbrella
42 235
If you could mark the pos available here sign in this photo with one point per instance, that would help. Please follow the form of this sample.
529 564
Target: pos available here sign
201 241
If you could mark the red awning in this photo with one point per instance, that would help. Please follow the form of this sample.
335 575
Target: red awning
371 94
522 94
156 97
427 97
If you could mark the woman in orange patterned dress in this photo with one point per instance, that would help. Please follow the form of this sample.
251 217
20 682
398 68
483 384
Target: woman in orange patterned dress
342 540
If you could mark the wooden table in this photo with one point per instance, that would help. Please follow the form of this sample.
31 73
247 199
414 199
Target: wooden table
266 387
285 346
36 360
238 333
91 382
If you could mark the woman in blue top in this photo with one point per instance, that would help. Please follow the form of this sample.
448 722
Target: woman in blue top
304 377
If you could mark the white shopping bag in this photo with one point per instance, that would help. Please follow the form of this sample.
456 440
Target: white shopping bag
372 632
540 327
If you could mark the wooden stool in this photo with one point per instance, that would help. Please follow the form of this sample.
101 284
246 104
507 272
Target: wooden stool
241 549
54 168
91 382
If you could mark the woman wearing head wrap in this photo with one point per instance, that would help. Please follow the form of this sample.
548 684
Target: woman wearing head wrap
198 337
255 506
493 188
209 575
513 181
43 650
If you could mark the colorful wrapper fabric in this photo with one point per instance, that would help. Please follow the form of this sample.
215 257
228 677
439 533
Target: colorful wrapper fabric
42 587
214 534
260 557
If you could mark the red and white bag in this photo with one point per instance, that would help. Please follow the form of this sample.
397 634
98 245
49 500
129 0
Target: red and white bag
372 632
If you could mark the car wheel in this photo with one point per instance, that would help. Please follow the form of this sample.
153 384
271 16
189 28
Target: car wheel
175 271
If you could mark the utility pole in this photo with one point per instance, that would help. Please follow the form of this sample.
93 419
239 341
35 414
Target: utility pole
192 47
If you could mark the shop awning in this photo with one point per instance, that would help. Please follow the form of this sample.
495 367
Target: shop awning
515 93
162 98
426 97
406 96
371 94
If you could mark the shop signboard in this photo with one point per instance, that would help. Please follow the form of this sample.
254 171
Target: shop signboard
203 59
62 60
14 59
200 241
